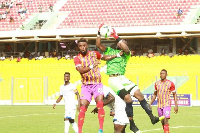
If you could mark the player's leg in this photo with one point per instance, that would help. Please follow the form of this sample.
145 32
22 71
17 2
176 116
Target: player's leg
119 128
118 85
135 91
74 125
67 124
166 112
85 100
98 95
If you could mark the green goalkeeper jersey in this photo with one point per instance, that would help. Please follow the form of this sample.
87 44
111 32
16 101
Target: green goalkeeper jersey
116 65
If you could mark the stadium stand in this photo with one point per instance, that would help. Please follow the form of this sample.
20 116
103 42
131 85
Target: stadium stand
124 13
31 6
29 76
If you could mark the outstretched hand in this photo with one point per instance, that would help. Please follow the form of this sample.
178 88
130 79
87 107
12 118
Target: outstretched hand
114 34
95 110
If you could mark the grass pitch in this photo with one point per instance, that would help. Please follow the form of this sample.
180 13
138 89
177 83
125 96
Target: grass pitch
44 119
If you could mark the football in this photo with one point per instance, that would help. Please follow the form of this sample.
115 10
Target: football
105 31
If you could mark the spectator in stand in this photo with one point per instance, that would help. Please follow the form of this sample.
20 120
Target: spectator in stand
18 59
7 5
7 10
2 5
11 58
186 52
11 19
170 54
180 51
40 9
21 10
59 56
22 15
51 8
0 16
54 53
11 5
179 13
19 2
4 16
150 53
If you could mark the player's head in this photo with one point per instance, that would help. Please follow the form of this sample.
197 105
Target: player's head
118 44
83 45
66 76
163 74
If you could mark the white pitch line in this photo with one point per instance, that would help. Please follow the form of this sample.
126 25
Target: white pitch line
158 129
11 116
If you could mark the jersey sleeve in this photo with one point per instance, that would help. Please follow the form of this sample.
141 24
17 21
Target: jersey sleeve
61 92
127 56
99 56
172 87
155 86
107 50
77 61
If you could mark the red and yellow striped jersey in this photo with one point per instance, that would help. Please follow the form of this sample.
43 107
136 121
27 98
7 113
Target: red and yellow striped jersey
164 89
93 76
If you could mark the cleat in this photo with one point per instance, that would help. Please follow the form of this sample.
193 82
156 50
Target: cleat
161 118
157 119
138 131
100 131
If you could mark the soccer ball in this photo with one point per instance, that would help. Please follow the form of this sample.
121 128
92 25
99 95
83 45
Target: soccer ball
105 31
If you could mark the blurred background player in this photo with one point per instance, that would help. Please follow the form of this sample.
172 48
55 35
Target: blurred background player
86 62
117 107
119 83
163 89
68 91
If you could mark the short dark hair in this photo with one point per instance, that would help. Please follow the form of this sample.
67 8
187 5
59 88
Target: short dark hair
67 73
164 70
83 40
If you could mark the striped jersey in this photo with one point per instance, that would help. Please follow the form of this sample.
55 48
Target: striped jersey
116 65
93 76
164 89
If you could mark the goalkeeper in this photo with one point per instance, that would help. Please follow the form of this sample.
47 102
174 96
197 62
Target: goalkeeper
123 87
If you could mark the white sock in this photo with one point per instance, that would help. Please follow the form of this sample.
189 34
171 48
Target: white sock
67 124
75 127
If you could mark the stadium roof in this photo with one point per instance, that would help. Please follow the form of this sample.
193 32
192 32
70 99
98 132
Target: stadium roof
164 31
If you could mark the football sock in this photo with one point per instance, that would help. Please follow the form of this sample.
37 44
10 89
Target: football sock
101 114
166 128
81 117
147 108
67 124
133 127
129 109
75 127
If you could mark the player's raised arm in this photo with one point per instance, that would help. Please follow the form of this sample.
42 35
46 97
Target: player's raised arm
108 57
98 41
122 44
57 101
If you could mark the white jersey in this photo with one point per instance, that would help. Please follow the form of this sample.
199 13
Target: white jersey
68 93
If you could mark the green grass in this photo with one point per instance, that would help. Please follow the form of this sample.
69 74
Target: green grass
44 119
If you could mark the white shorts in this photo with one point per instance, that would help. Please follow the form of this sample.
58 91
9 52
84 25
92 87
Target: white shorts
121 82
120 113
70 113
